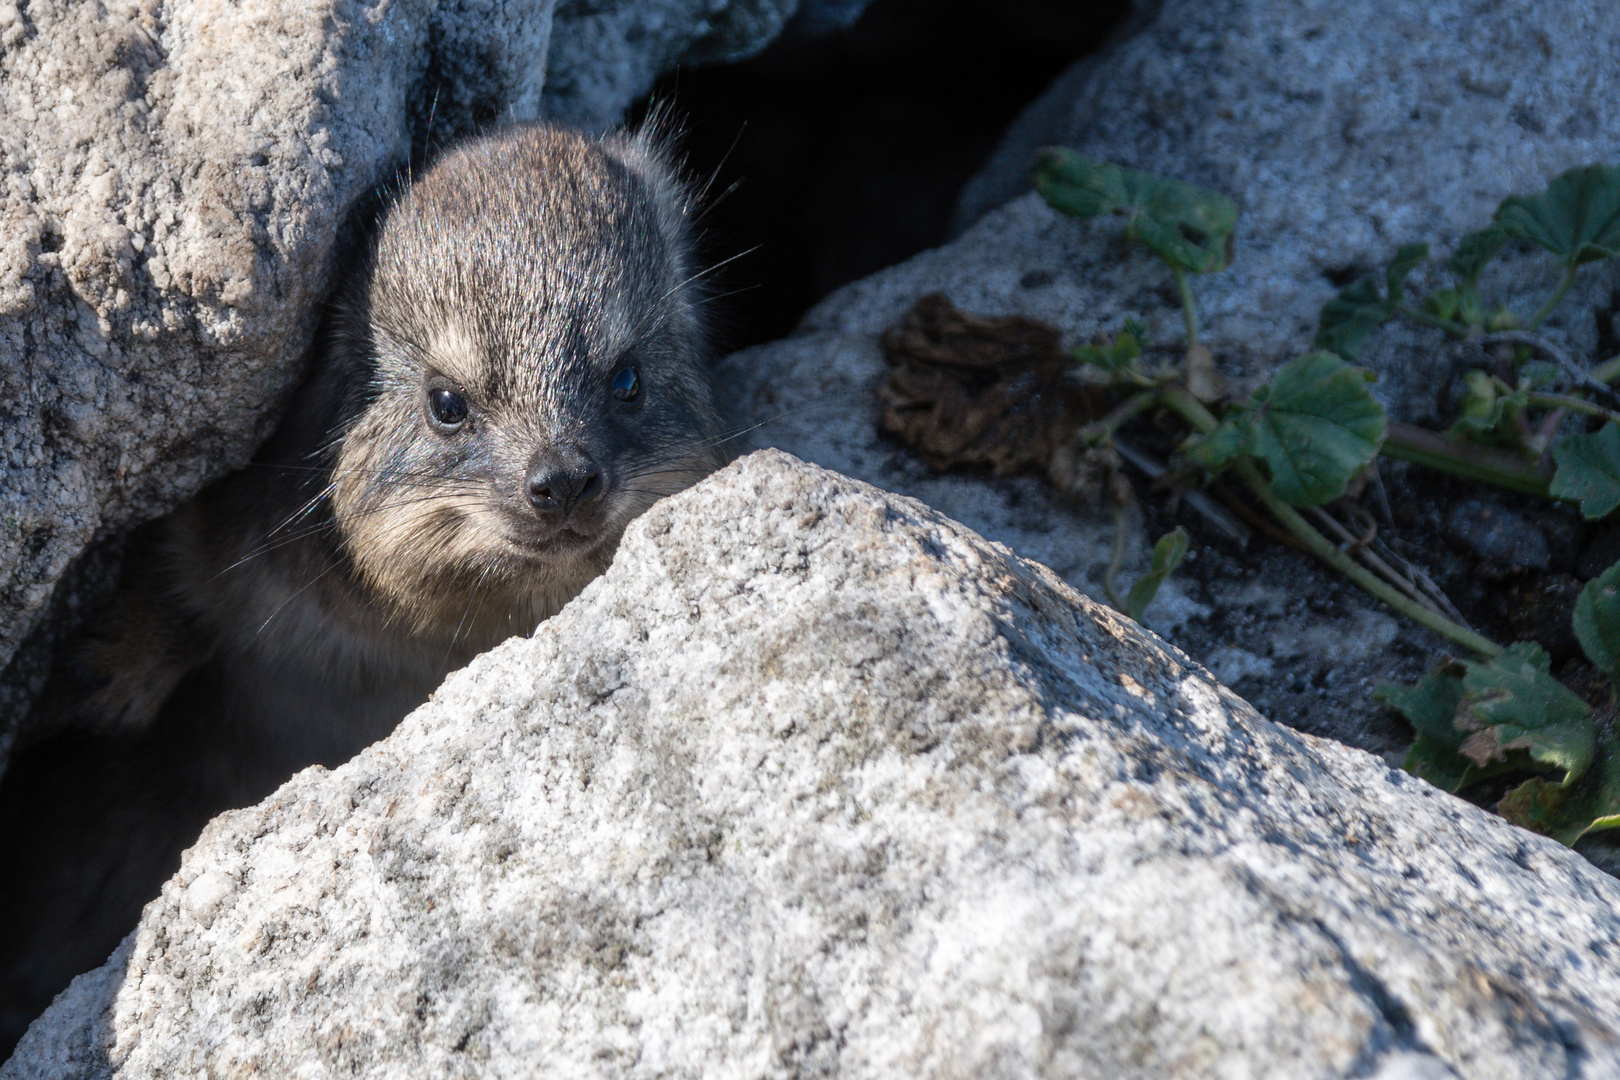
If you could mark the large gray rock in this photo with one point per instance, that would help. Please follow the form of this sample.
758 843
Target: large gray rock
816 781
172 181
1342 130
606 53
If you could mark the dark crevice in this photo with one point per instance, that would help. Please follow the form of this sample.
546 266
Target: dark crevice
848 149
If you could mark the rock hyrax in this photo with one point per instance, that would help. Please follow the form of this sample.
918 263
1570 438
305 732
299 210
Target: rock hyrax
518 372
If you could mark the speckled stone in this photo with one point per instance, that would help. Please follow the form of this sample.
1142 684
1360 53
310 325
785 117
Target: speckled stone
815 781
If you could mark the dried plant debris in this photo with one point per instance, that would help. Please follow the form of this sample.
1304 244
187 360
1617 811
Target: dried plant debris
971 390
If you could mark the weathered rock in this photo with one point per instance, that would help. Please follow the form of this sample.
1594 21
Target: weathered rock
1342 131
815 780
606 53
172 181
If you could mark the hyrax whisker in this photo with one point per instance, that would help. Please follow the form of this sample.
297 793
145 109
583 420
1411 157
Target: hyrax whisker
515 371
706 271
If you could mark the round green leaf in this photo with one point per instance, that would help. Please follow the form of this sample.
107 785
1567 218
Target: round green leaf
1597 622
1315 427
1589 471
1577 218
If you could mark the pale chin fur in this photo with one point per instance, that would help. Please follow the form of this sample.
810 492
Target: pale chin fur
468 579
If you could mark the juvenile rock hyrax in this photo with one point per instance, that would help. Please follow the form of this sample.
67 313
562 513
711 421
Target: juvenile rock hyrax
518 372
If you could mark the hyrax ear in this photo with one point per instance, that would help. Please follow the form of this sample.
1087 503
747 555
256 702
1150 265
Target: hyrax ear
649 153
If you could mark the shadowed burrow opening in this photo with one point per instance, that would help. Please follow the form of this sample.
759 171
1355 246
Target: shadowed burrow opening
838 151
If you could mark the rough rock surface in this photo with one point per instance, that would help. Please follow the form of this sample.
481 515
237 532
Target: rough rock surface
817 781
606 53
1342 131
172 180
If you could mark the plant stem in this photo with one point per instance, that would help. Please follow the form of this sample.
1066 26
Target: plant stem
1573 404
1324 549
1577 374
1432 450
1098 430
1188 310
1450 326
1117 559
1190 409
1608 371
1564 284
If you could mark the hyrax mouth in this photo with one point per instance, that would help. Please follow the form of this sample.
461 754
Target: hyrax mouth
564 541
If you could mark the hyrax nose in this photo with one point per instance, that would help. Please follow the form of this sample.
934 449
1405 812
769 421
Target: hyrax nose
559 483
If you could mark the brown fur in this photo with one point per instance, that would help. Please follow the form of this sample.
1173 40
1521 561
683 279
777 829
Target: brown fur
294 612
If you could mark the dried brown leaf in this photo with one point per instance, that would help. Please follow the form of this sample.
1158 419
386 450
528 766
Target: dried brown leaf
972 390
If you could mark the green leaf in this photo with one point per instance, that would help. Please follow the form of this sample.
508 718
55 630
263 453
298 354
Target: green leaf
1362 307
1429 706
1408 257
1514 703
1470 308
1222 446
1475 720
1567 812
1348 318
1444 303
1588 471
1597 622
1475 250
1118 355
1168 551
1577 218
1314 428
1187 226
1539 374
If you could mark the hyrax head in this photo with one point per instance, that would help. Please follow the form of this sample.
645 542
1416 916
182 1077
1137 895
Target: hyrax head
536 374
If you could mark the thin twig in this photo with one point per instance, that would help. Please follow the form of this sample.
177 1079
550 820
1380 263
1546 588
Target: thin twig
1383 496
1376 564
1558 356
1421 577
1212 511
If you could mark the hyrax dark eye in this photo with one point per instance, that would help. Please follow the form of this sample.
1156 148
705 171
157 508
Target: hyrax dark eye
449 408
627 384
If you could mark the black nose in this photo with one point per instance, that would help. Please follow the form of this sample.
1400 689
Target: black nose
557 486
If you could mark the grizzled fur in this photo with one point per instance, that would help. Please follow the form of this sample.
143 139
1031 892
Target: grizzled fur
296 611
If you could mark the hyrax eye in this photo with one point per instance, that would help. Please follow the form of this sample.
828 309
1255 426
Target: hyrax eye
627 384
449 409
